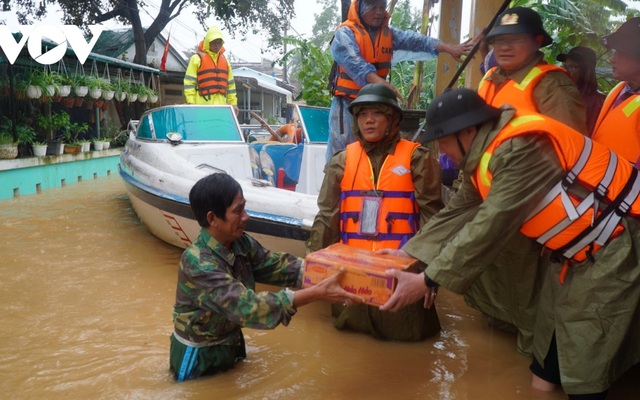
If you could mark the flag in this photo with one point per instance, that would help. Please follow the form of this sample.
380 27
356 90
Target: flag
163 61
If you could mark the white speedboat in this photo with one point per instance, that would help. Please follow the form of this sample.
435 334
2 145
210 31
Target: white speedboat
172 147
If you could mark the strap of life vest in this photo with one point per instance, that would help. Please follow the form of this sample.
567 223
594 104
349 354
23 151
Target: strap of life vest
563 185
611 218
599 232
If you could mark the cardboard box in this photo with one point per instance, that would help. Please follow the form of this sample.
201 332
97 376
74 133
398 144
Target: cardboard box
364 271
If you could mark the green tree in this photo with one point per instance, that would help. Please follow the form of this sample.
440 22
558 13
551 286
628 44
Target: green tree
237 15
314 68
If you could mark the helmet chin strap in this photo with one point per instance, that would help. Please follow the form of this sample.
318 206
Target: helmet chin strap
464 153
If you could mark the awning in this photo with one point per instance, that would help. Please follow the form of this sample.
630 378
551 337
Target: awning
258 79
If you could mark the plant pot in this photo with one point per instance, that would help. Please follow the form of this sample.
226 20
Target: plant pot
105 145
72 148
81 91
131 97
78 101
120 96
153 98
88 104
142 98
33 92
39 150
55 147
86 146
67 102
95 93
8 151
98 145
108 94
64 90
49 90
105 106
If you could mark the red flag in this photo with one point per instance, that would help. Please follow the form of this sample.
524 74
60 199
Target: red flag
163 62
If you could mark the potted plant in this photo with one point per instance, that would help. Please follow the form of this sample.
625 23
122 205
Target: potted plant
108 90
64 85
121 88
39 148
86 145
52 126
80 85
142 91
132 94
26 137
72 145
95 87
30 84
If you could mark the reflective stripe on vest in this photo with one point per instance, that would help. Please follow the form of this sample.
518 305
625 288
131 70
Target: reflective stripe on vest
519 95
212 78
619 128
574 227
379 55
398 218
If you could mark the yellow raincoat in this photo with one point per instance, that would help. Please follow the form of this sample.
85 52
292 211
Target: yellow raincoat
191 76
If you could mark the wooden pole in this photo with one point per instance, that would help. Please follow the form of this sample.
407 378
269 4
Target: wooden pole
450 22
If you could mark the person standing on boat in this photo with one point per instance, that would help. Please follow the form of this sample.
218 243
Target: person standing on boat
209 78
215 295
618 124
525 173
362 48
376 194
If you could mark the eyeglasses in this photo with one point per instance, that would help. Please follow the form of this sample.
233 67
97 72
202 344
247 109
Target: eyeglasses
507 41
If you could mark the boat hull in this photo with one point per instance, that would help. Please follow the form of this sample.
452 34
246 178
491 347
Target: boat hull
170 219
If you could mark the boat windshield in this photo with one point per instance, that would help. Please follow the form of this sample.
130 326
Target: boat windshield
194 123
315 121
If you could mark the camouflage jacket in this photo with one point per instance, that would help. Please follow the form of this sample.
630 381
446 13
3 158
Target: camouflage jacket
216 295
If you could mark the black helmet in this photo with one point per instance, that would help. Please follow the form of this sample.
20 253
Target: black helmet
625 38
375 93
519 20
455 110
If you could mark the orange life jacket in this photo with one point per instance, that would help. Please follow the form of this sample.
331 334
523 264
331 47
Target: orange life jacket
212 77
378 54
572 226
519 95
618 128
397 218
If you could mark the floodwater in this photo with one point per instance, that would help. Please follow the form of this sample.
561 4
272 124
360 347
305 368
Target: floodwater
86 294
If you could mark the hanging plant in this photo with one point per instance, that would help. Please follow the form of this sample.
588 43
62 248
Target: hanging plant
120 87
80 82
108 91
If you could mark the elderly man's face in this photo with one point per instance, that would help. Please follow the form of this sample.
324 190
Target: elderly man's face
512 52
374 16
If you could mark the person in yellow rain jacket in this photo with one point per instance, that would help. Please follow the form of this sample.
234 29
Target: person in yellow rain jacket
209 78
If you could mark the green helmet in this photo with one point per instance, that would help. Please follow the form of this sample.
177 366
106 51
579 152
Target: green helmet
375 93
455 110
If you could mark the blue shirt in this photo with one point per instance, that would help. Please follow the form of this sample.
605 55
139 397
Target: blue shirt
346 52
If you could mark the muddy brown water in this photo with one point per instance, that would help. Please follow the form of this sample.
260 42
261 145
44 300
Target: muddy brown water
86 296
